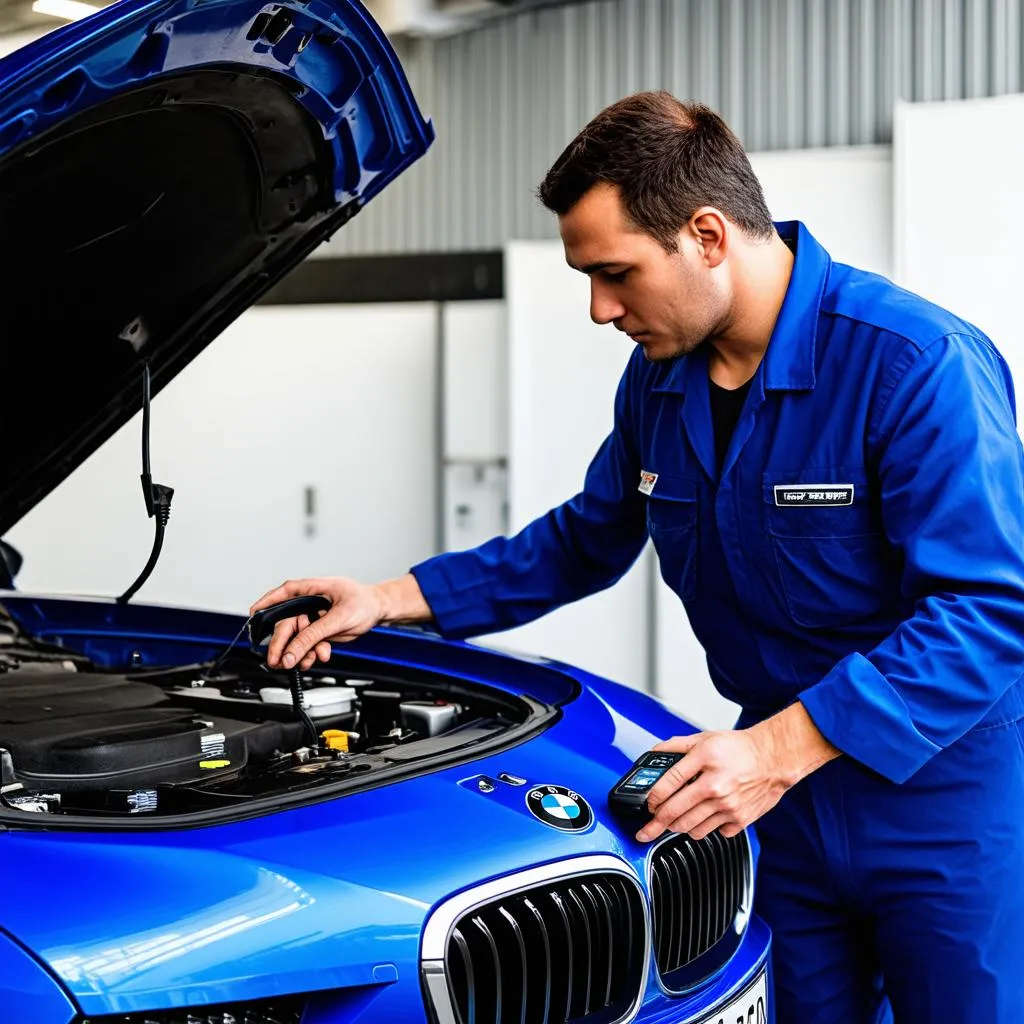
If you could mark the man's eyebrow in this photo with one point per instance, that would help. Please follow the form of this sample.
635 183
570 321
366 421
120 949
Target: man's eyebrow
592 268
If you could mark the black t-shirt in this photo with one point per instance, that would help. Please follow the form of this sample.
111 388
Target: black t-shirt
726 407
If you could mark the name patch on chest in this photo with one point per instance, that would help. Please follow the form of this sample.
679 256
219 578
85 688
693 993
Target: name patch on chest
788 495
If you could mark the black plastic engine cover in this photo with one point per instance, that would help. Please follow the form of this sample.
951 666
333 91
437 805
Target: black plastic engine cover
73 729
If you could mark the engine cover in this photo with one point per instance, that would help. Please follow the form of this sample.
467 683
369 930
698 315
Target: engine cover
68 729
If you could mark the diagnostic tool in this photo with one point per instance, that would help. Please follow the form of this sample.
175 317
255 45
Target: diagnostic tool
628 797
262 623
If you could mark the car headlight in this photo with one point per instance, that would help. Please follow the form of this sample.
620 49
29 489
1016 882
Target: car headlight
284 1010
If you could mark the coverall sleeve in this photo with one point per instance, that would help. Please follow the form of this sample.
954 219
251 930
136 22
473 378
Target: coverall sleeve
951 472
576 549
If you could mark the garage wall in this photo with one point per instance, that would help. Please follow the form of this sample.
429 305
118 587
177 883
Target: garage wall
961 221
338 399
786 74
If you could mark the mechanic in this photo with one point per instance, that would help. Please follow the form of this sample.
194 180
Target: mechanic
830 473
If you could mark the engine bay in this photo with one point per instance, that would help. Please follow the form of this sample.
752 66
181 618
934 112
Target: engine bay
76 739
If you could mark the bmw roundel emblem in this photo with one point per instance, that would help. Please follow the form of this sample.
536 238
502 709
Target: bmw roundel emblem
560 808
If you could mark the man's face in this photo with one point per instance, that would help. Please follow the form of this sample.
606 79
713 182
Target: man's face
666 302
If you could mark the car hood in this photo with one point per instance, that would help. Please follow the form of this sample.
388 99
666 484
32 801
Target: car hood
323 897
162 165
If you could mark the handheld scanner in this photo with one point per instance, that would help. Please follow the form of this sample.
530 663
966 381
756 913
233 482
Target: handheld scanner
262 623
628 797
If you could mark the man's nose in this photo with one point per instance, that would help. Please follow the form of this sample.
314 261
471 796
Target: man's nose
604 306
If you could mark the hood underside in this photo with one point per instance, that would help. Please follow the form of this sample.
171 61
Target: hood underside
149 193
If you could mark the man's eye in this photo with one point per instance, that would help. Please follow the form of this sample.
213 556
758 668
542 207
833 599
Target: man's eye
617 278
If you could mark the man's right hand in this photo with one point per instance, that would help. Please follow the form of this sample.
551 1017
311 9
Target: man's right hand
355 609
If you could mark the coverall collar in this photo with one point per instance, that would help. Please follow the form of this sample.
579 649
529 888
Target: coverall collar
789 360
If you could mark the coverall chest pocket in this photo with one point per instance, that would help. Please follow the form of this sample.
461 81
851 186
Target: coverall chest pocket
672 525
834 566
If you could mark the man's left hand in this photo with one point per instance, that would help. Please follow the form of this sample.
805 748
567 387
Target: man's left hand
727 780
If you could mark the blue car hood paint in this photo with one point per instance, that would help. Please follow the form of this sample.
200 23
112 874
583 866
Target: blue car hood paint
162 164
322 897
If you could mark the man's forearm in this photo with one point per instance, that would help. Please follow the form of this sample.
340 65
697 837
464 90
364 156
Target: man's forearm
402 601
792 742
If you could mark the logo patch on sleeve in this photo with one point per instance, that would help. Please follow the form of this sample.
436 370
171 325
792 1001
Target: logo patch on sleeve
813 495
647 481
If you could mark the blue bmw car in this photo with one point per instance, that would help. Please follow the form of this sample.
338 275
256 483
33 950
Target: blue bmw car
420 830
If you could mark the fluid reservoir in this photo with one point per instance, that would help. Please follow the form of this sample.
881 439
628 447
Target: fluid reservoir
428 718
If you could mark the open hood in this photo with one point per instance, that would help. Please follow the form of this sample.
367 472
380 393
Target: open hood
162 164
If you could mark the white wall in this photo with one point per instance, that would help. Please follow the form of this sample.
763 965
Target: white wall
562 373
340 398
960 213
843 195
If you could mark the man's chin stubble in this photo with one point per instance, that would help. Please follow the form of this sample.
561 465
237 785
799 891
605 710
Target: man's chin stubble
665 356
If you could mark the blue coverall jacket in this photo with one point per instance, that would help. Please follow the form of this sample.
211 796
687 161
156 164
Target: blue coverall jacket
860 550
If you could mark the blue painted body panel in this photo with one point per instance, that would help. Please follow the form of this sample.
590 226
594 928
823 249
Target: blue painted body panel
345 71
331 896
29 992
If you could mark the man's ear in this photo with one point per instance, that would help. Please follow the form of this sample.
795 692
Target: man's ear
709 229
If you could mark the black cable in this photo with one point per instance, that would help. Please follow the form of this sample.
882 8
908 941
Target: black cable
145 419
296 688
163 513
157 496
210 674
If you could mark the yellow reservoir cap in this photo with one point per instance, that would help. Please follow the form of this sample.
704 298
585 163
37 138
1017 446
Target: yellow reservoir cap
336 739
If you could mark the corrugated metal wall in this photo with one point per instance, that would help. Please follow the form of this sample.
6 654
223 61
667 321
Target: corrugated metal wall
506 98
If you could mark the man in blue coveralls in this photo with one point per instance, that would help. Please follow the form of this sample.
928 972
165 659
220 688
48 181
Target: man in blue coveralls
829 470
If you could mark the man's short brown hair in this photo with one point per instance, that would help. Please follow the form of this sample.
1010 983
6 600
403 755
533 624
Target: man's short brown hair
668 159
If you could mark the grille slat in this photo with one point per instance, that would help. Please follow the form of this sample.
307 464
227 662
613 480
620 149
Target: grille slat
579 912
700 852
733 894
715 902
673 930
623 937
730 886
697 889
570 951
467 964
692 901
545 939
517 932
496 975
570 973
608 931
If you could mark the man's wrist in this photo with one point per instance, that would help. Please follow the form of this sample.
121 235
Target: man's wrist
402 601
792 744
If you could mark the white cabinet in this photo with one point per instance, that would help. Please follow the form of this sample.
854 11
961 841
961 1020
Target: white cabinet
475 431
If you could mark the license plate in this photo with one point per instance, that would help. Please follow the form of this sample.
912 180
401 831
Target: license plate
749 1008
